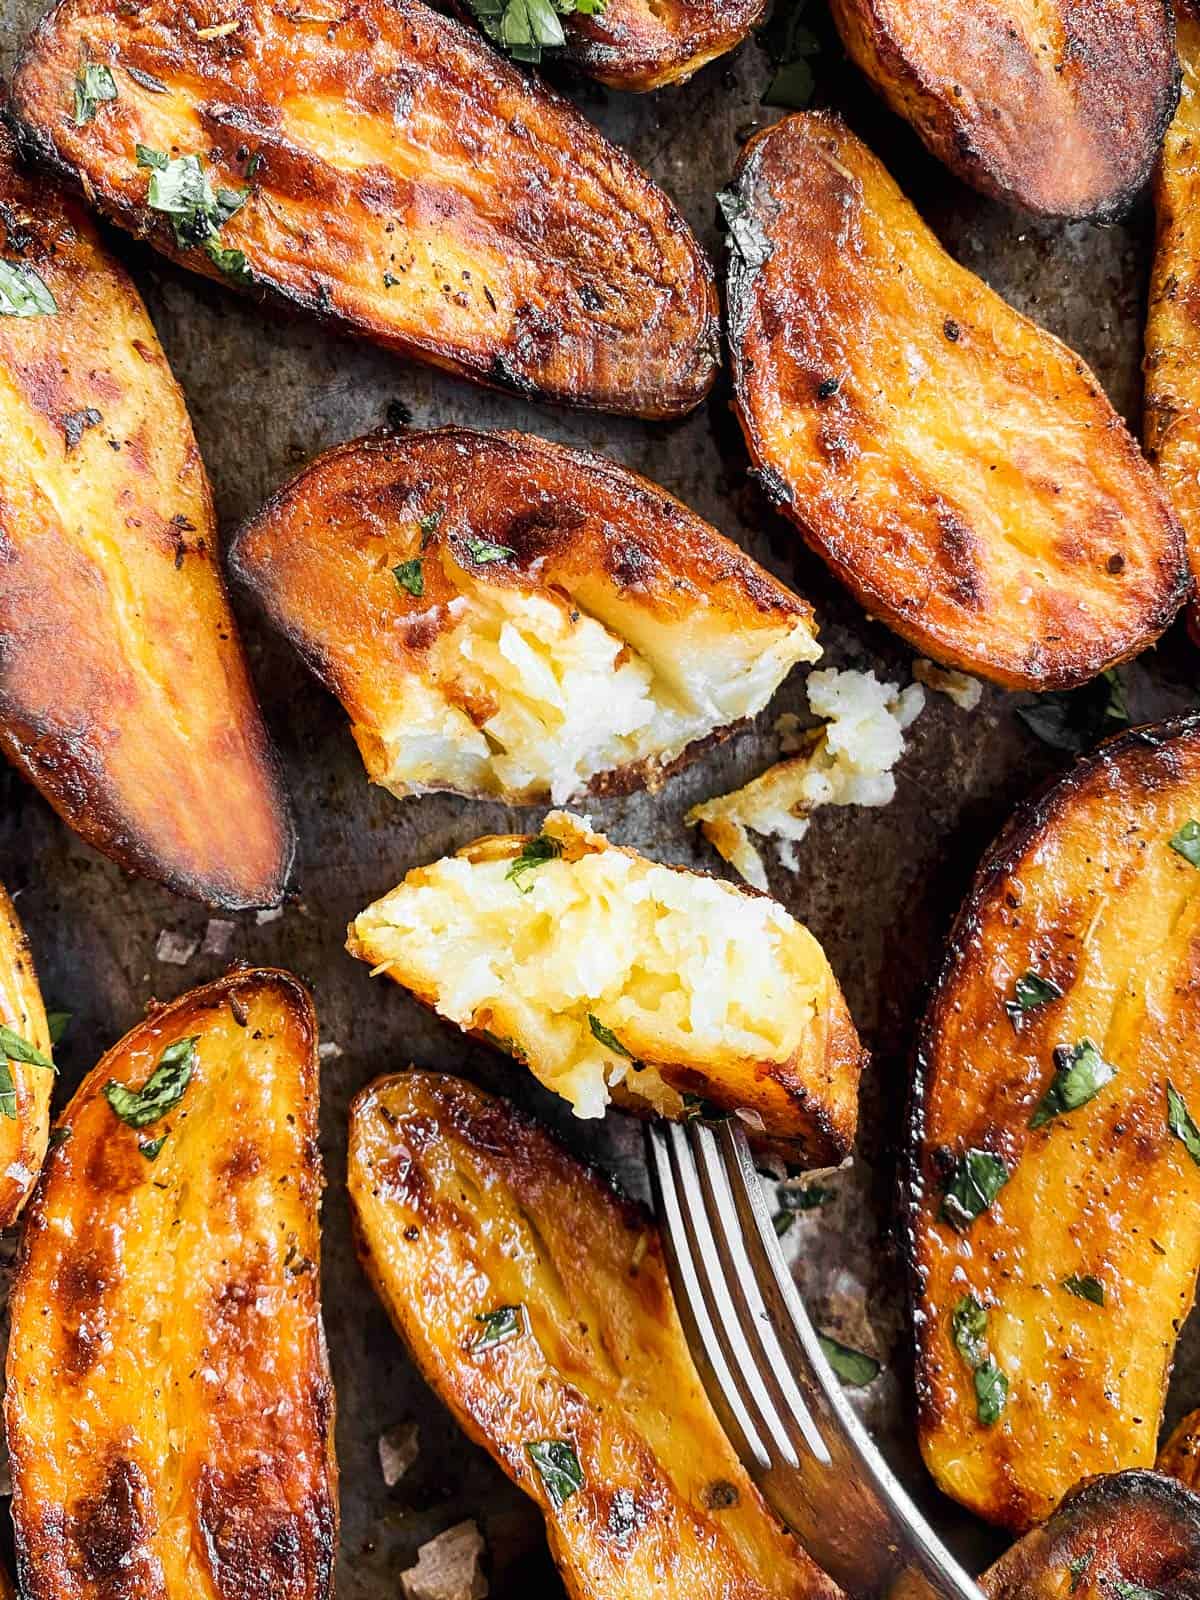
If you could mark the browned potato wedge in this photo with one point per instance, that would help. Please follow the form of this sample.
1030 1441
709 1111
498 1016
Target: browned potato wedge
955 465
536 1303
611 976
1130 1535
169 1407
507 618
390 172
1179 1457
26 1078
1055 1188
124 694
1057 106
1172 414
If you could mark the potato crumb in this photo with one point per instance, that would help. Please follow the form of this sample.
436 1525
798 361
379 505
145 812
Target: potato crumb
399 1447
965 692
448 1567
175 948
848 762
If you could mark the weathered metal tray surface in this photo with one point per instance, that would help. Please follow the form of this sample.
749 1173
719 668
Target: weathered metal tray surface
268 391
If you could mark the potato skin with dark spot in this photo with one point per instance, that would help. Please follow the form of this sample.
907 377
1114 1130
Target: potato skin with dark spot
23 1135
1056 108
954 464
124 693
1084 890
406 182
169 1406
462 1206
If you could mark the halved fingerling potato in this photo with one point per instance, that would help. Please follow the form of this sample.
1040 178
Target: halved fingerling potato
535 1301
611 976
26 1073
124 694
506 618
1054 1200
1172 398
955 465
1130 1534
169 1407
1057 106
389 171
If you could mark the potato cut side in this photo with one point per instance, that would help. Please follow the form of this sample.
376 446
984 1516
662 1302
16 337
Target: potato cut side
1131 1534
124 694
503 617
169 1406
1172 402
388 171
1054 1219
612 977
1179 1456
536 1303
1056 106
26 1082
957 467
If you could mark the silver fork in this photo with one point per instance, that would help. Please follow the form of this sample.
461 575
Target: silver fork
767 1377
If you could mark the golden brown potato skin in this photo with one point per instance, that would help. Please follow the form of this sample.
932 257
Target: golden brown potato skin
1129 1532
407 182
958 468
1057 107
1172 408
23 1137
169 1405
320 557
124 693
1084 890
462 1206
1179 1457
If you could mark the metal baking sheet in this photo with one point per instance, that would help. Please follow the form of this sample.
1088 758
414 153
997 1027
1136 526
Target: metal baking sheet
267 391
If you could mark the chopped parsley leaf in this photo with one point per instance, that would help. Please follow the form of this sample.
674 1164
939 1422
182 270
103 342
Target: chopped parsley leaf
991 1392
1085 1288
162 1091
1030 991
1079 1075
783 1222
968 1329
524 28
94 85
1179 1121
534 853
57 1023
14 1048
151 1148
482 551
976 1180
608 1038
809 1198
410 576
1186 842
23 292
499 1326
181 189
558 1467
851 1366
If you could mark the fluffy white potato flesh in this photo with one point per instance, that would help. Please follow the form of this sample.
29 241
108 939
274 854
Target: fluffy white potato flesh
614 977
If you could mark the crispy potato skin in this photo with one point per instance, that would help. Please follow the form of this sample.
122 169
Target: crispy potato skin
1084 890
124 693
169 1405
1179 1457
320 558
23 1137
994 511
1171 424
1126 1529
808 1108
520 248
462 1206
1057 107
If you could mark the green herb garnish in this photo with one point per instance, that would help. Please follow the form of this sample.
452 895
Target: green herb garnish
1085 1288
1125 1590
1186 842
410 575
1179 1121
151 1148
482 551
163 1089
809 1198
94 84
180 188
499 1326
534 853
1073 720
524 28
976 1180
558 1467
430 523
57 1023
851 1366
991 1392
1077 1567
58 1136
14 1048
1079 1075
1030 991
968 1329
23 292
607 1038
790 46
782 1222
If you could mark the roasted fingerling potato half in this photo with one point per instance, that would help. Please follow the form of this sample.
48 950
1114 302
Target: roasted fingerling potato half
954 464
388 170
26 1067
509 619
169 1407
535 1301
612 977
1056 106
1054 1200
1171 426
124 694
